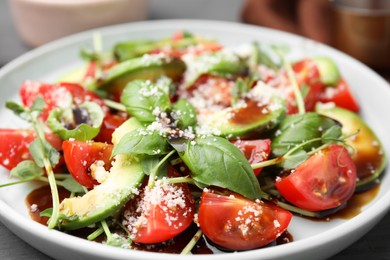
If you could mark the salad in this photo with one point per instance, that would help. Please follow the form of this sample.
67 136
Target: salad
182 145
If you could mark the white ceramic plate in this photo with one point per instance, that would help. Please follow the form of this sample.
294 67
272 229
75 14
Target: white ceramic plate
312 240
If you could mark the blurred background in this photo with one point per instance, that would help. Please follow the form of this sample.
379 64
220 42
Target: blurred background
359 27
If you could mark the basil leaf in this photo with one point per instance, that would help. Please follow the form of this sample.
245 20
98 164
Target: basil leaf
27 169
142 98
83 131
179 144
72 185
140 142
49 212
39 153
296 129
184 113
216 161
333 132
240 87
150 166
46 213
118 241
19 110
148 163
38 105
294 159
258 56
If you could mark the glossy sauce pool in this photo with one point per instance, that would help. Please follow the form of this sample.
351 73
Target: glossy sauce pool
40 199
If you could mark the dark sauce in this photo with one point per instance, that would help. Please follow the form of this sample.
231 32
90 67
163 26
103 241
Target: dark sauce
40 199
252 112
356 203
352 208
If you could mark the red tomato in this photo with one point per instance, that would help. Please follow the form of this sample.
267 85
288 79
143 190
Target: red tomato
255 151
56 95
79 156
110 123
160 213
237 223
15 143
306 74
341 95
90 72
216 90
324 181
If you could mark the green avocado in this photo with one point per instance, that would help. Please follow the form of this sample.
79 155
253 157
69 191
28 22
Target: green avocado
148 67
247 120
329 73
369 154
109 197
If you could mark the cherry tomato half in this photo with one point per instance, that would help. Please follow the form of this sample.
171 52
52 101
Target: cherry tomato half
110 123
79 156
341 95
15 143
237 223
307 74
324 181
160 213
56 95
255 151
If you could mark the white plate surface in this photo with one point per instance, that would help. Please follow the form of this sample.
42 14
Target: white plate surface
312 240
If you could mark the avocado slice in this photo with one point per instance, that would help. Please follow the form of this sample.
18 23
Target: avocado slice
369 155
246 120
106 199
148 67
329 72
223 63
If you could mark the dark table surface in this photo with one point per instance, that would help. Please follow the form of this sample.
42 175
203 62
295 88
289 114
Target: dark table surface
374 245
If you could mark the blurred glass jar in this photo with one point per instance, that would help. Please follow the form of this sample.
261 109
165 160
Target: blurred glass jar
362 29
41 21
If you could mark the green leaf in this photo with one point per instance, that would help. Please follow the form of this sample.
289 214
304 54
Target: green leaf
332 133
118 241
294 159
184 113
58 118
296 129
240 87
49 212
27 170
38 105
142 99
148 163
46 213
216 161
258 57
19 110
139 142
40 151
72 185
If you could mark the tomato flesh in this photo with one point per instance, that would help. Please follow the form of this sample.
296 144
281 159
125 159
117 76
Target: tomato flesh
237 223
160 213
59 95
324 181
79 156
110 123
15 143
341 95
255 151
